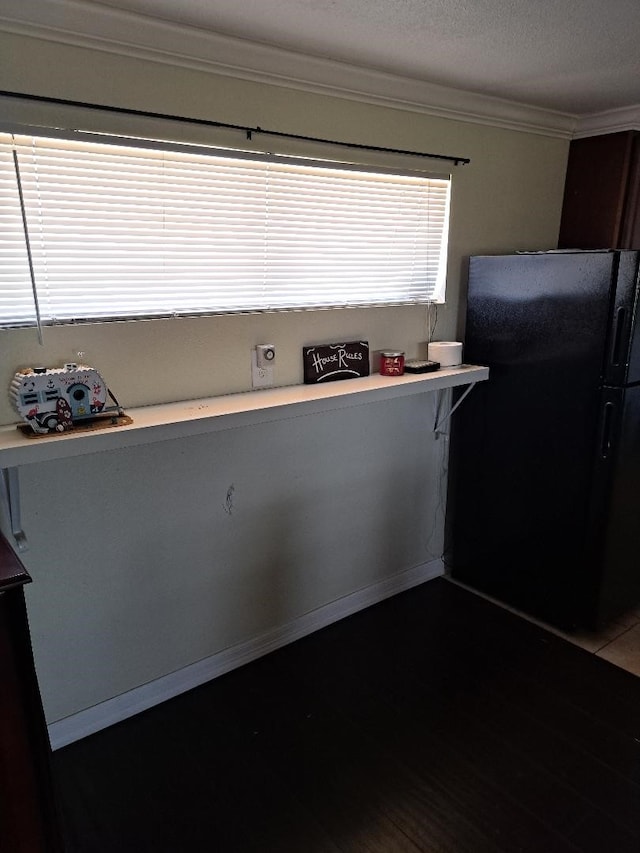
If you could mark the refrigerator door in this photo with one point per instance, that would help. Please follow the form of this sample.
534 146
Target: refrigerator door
613 582
622 365
522 443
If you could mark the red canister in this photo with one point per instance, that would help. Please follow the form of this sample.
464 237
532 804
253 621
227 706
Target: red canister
391 363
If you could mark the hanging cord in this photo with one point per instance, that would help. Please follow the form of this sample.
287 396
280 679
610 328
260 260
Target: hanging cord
36 303
439 511
432 320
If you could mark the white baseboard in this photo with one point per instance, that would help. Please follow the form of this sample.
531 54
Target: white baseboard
91 720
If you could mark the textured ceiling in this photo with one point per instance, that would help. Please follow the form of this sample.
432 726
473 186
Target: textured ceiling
575 56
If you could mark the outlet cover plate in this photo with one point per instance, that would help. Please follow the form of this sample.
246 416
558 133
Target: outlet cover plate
261 377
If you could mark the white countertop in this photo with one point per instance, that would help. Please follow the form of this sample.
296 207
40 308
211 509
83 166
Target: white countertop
195 417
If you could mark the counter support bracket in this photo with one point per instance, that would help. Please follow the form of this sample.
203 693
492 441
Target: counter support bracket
10 488
437 427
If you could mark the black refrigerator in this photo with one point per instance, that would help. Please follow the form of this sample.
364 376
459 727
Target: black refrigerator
544 490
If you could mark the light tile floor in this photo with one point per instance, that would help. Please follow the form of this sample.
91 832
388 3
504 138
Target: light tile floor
618 642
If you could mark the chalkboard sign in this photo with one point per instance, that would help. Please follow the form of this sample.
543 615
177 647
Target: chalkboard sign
329 362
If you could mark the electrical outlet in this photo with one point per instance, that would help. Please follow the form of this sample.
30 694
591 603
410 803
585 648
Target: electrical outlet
261 377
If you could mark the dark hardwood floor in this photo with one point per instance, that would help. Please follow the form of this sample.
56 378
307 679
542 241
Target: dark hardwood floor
435 721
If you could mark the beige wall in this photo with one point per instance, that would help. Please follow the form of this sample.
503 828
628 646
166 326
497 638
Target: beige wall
138 570
508 198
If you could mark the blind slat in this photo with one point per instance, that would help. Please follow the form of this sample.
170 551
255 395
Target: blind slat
124 232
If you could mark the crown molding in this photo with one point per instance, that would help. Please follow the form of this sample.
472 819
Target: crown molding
110 30
611 121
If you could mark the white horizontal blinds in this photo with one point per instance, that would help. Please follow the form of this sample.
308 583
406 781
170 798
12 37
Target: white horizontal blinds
352 238
16 294
124 232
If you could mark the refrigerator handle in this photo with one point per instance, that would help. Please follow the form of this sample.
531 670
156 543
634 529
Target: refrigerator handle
607 423
618 337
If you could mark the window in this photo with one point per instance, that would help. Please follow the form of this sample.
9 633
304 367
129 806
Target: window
121 229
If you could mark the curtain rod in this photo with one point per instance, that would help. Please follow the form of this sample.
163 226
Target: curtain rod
457 161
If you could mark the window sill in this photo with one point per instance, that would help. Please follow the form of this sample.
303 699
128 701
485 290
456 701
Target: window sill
196 417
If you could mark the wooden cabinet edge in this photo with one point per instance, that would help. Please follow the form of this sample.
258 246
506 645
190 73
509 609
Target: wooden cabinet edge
29 812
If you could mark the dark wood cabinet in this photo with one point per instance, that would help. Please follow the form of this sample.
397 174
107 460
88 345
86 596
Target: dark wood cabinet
28 814
601 208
